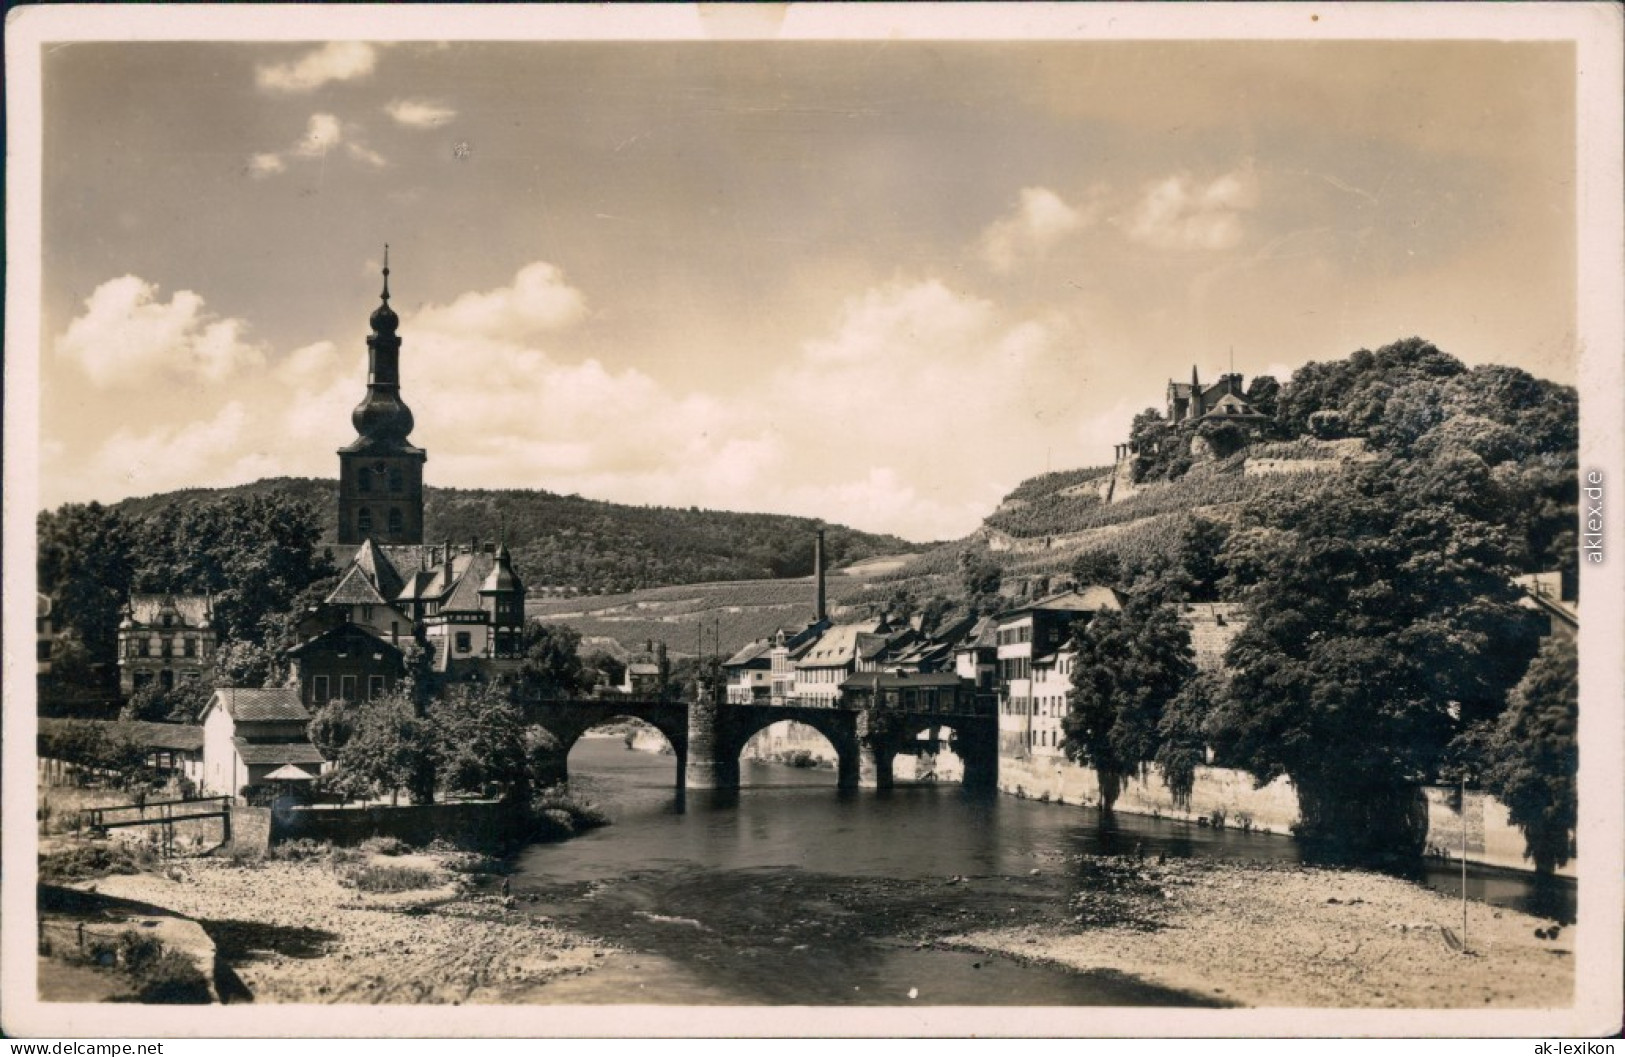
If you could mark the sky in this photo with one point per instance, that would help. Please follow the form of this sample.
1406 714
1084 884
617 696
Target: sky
875 282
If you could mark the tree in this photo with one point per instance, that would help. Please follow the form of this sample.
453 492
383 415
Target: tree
480 735
332 727
1130 666
1264 394
392 748
551 667
981 578
239 662
1381 611
1182 734
84 566
1532 755
253 554
179 704
1097 567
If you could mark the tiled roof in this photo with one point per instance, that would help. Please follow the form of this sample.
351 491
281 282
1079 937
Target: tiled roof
1092 599
186 737
468 572
870 680
354 636
752 653
356 589
270 705
191 610
836 647
379 569
259 753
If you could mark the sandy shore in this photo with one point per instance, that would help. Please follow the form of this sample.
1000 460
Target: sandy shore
1278 935
294 933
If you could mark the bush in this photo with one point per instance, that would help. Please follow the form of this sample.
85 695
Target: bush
374 878
88 861
170 977
556 815
300 850
385 845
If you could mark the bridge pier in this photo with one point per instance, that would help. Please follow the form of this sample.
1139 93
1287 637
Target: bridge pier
710 763
978 749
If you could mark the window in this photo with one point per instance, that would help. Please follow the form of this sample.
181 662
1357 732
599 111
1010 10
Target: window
347 687
169 619
366 613
318 689
142 679
364 481
146 648
363 520
397 523
396 483
190 647
394 630
166 679
375 687
465 642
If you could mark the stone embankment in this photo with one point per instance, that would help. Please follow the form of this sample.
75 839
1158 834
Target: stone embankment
1282 935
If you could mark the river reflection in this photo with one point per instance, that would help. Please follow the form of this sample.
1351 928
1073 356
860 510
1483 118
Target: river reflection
792 891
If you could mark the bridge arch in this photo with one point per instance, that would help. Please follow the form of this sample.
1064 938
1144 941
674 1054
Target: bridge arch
567 721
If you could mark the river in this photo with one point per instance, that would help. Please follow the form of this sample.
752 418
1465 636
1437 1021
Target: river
792 892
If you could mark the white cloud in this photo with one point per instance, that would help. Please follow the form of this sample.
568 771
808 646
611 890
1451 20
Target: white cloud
916 409
419 113
170 456
338 61
538 300
1040 221
126 334
262 165
1180 213
322 133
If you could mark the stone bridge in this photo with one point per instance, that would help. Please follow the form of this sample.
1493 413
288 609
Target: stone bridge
707 736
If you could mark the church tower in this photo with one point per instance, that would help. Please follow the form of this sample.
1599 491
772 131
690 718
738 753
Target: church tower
380 472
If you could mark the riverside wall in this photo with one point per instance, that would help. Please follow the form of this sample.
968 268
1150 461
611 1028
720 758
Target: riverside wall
1491 838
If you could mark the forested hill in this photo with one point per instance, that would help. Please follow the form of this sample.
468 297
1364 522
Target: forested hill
590 545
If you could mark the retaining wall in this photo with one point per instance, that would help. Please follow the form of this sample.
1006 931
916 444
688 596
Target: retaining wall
467 824
1492 840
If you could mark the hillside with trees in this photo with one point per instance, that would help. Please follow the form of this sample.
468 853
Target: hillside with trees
585 545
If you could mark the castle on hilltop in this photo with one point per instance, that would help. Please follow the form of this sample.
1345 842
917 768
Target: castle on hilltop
1223 400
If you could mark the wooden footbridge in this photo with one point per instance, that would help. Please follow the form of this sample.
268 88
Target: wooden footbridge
162 813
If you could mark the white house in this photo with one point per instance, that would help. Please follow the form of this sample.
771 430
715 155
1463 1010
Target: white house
248 733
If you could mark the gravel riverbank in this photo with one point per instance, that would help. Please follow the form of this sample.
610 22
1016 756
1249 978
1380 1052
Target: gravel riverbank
1285 935
293 932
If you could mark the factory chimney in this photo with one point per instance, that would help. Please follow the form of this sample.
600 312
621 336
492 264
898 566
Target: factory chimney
818 574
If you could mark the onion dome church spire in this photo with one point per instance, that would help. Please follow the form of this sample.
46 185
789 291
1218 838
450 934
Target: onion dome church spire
380 472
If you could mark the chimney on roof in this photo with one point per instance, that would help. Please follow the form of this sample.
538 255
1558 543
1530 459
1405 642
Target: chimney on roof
818 573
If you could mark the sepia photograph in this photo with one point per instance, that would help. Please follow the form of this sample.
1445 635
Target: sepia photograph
894 520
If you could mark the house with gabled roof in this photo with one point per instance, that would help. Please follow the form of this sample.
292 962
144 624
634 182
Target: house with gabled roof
166 639
348 662
249 733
